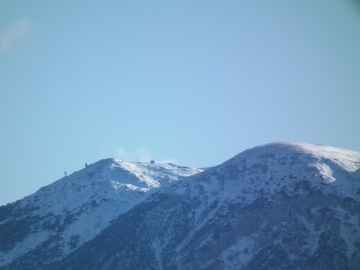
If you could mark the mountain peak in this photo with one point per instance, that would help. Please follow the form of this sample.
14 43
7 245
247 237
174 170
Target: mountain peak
107 180
347 159
299 147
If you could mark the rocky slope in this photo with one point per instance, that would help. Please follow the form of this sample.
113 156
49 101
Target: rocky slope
277 206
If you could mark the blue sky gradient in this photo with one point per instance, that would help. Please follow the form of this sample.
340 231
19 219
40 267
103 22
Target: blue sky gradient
188 82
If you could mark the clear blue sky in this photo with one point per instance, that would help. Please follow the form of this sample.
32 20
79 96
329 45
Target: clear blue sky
190 82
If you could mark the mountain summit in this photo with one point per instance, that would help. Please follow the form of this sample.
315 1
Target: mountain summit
277 206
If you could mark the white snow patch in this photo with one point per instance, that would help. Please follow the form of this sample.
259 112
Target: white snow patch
325 171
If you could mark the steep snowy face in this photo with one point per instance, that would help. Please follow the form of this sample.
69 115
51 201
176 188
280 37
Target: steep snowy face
278 206
62 216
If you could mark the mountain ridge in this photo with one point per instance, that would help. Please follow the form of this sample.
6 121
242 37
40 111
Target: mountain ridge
277 206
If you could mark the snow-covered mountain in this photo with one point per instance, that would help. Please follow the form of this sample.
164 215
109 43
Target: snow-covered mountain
61 217
277 206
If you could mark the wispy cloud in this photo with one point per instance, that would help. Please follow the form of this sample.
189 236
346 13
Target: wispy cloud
142 154
13 33
168 160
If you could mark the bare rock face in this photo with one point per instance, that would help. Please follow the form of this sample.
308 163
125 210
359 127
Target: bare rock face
278 206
